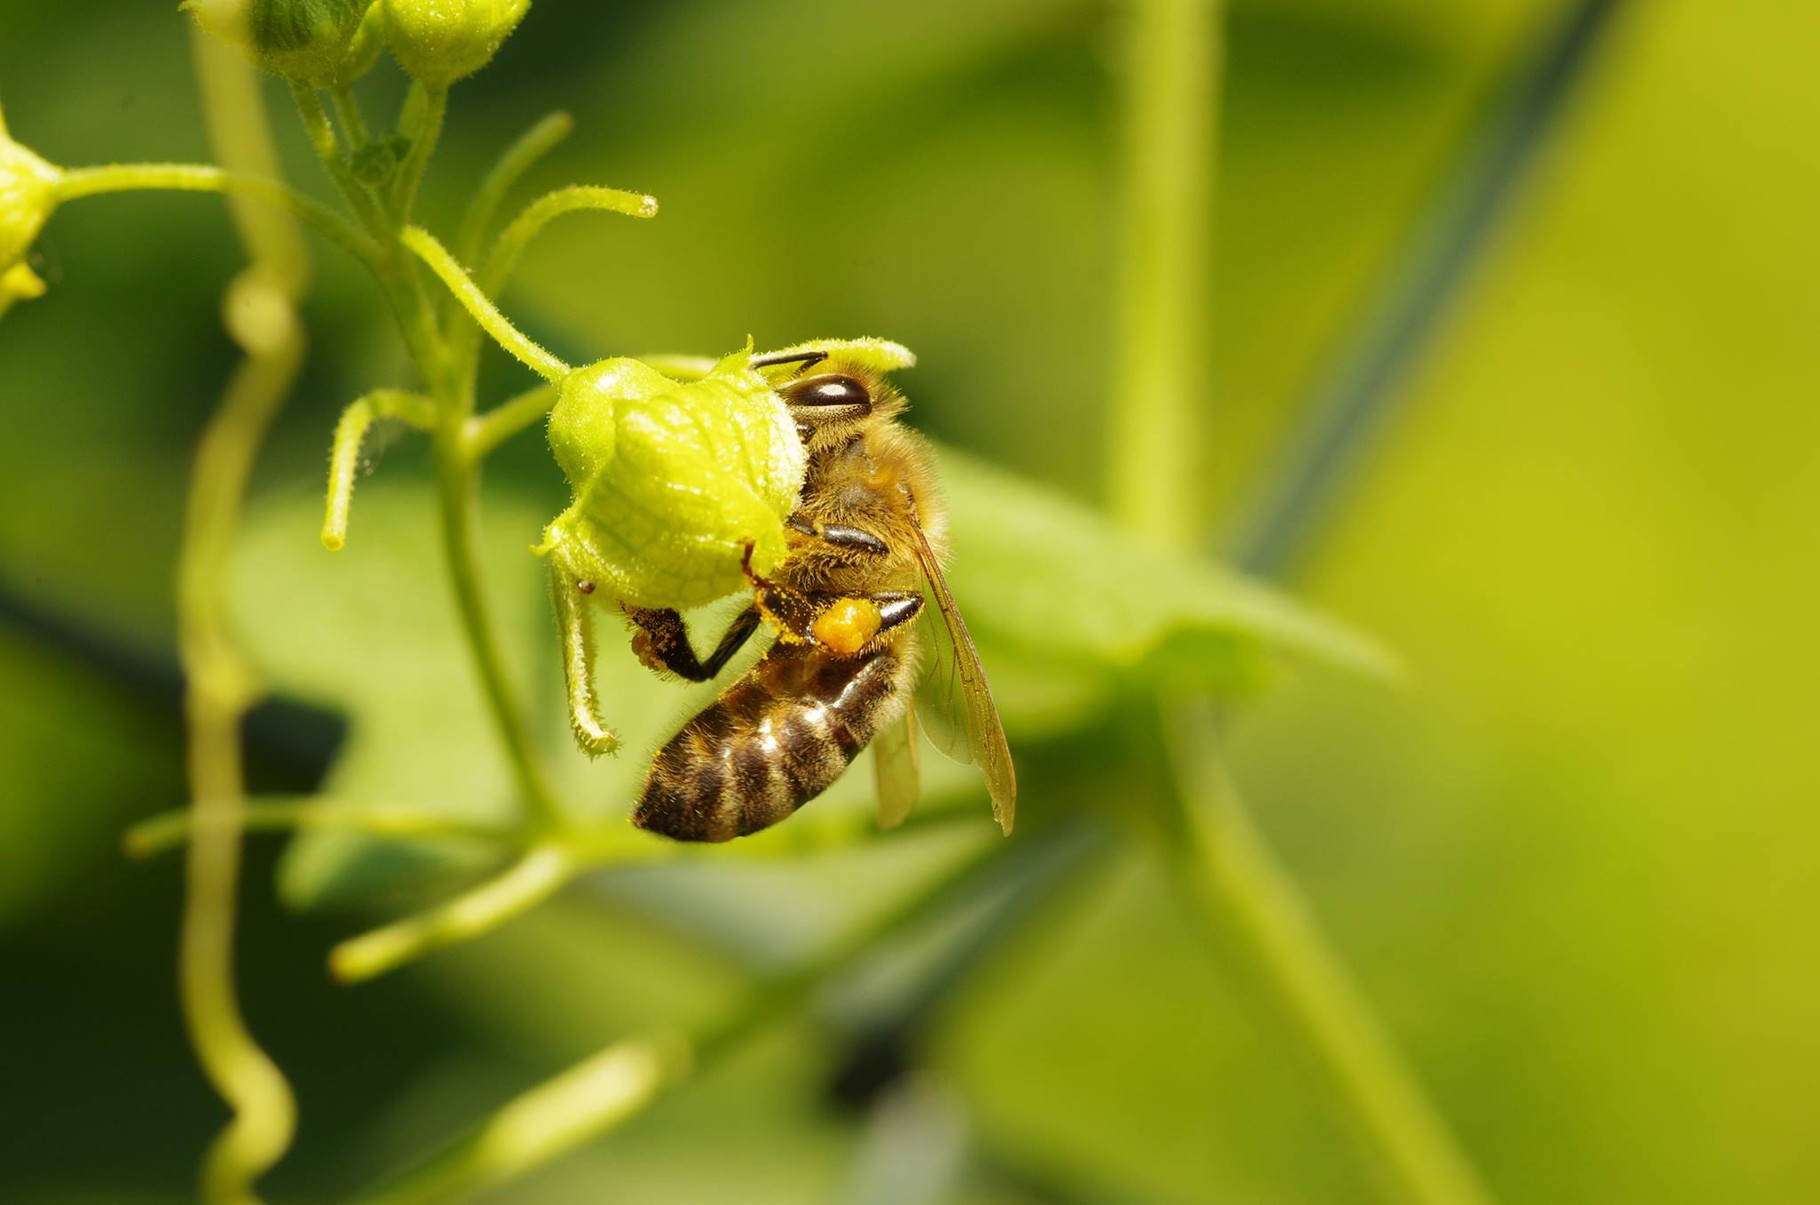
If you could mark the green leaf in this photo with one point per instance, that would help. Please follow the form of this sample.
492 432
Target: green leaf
1043 578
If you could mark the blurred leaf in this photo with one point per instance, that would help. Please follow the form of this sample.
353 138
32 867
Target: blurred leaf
1051 580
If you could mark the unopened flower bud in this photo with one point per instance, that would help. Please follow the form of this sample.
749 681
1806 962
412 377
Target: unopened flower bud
440 41
307 40
672 480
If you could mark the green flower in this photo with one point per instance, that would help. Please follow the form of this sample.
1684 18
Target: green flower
309 40
671 480
28 195
440 41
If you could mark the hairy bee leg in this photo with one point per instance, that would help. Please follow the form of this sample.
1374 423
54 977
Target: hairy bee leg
785 608
853 539
575 625
663 642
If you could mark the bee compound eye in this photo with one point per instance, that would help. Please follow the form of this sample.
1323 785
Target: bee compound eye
829 389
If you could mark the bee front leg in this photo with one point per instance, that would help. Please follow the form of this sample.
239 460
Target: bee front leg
662 642
850 539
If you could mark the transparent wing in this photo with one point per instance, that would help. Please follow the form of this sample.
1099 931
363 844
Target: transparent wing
964 724
897 769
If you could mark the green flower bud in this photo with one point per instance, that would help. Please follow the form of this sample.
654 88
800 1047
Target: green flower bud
28 195
362 52
671 480
440 41
308 40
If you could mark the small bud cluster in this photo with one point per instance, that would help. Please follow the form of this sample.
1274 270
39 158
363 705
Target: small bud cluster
332 43
441 41
28 195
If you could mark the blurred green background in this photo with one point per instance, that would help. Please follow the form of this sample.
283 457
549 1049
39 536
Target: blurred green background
1570 859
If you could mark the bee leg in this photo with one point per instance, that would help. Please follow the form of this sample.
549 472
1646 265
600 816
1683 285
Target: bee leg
575 621
851 539
785 608
662 642
897 607
845 625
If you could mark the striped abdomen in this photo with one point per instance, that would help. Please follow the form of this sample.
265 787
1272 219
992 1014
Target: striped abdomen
776 739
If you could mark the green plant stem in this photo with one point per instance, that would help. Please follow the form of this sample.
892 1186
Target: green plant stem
1172 69
480 307
577 198
221 685
543 870
168 830
347 108
424 111
518 159
185 177
1359 392
458 490
1252 906
457 465
483 207
350 436
1220 861
489 430
604 1091
321 132
518 235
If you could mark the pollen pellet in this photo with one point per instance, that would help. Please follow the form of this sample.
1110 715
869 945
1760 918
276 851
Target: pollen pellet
848 626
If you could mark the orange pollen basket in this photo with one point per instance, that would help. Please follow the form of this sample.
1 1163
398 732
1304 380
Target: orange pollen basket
848 626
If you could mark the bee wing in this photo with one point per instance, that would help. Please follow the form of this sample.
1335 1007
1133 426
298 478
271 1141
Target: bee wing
897 769
969 731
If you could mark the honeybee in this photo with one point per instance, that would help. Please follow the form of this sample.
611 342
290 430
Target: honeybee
863 544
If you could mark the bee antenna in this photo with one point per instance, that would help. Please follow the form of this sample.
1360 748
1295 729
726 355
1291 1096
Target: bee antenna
777 359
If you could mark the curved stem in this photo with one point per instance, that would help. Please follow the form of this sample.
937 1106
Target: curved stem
168 830
220 683
344 455
537 876
526 226
185 177
321 132
519 158
586 1101
574 624
558 1115
1251 904
479 307
507 419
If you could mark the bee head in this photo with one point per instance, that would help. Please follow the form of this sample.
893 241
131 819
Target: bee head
833 400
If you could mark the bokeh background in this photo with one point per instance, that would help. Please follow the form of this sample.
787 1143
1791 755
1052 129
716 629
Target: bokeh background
1570 858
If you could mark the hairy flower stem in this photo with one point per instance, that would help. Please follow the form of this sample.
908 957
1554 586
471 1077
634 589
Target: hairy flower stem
1172 74
458 499
1251 906
1223 867
220 683
451 396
